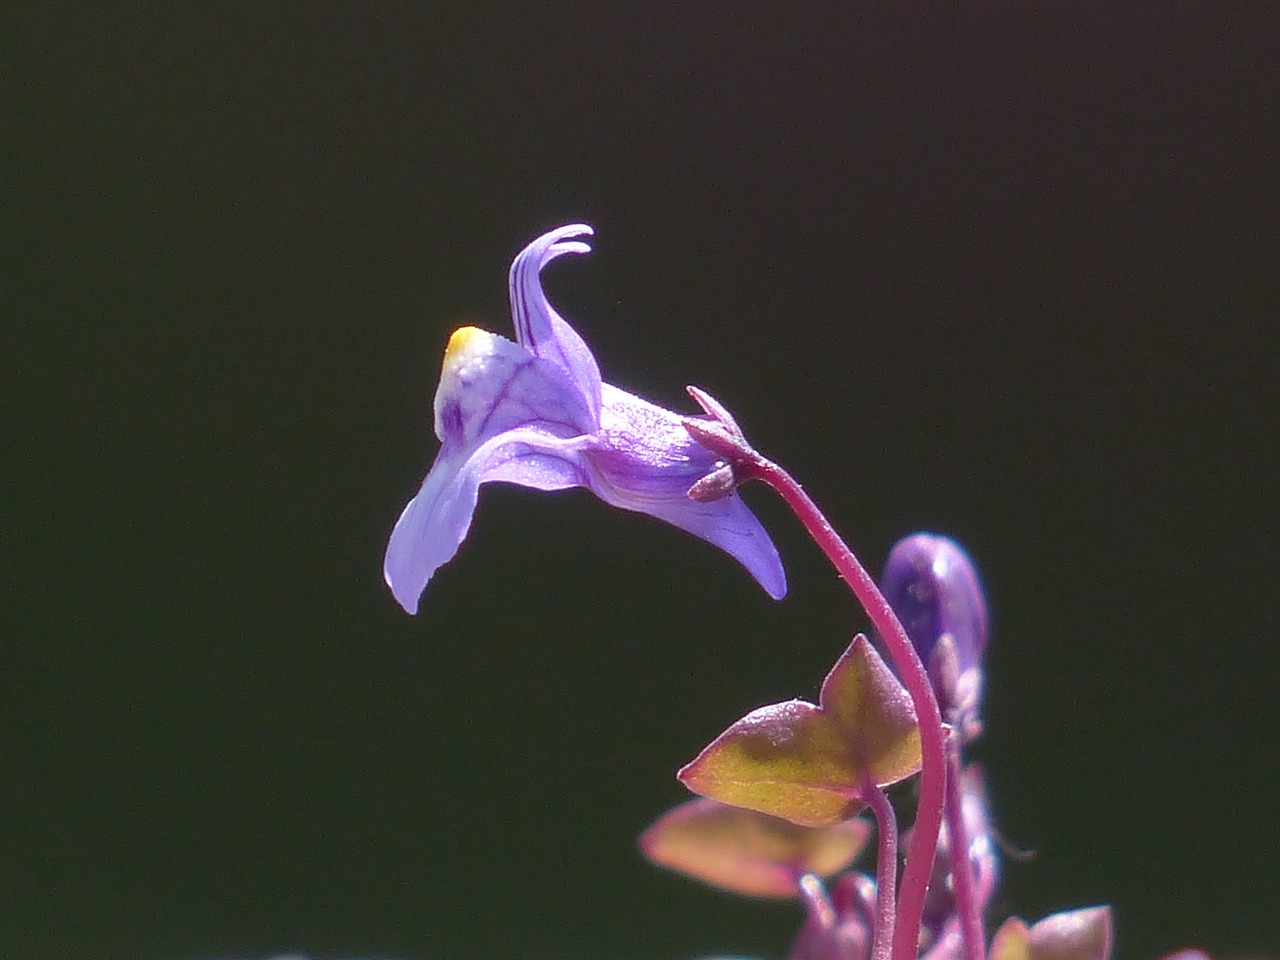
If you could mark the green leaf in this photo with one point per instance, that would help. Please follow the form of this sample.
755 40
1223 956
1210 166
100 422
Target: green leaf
748 852
812 764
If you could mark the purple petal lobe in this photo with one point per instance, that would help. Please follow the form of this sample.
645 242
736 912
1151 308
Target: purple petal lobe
429 530
501 414
645 460
539 329
436 520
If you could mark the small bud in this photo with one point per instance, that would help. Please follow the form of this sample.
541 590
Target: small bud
839 927
822 915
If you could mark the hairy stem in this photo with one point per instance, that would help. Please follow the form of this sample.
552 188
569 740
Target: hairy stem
933 772
886 870
968 910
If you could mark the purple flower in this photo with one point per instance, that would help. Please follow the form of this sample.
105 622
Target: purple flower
535 412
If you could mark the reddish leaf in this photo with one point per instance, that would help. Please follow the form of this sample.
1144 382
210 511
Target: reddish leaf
812 764
748 852
1083 934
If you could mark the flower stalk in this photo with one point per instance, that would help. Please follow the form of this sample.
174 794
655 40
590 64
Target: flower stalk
968 909
933 774
723 436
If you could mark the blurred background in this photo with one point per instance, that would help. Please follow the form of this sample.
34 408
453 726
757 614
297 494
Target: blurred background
1005 270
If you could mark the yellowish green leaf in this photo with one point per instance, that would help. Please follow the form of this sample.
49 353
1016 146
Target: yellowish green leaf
813 764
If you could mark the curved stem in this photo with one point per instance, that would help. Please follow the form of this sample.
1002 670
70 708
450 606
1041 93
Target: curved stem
886 870
968 910
820 920
933 772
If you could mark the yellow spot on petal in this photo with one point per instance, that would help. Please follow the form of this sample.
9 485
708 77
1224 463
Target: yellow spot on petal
462 339
467 347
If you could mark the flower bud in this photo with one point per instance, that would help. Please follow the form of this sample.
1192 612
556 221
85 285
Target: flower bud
934 589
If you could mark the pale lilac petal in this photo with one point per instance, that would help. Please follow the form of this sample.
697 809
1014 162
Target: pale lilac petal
501 414
428 533
488 384
435 522
539 329
645 460
731 526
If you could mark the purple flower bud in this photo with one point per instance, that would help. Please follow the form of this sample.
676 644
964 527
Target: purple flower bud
933 588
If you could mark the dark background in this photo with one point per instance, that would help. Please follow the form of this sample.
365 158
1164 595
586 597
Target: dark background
1000 269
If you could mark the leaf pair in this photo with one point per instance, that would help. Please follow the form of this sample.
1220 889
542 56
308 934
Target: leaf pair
814 764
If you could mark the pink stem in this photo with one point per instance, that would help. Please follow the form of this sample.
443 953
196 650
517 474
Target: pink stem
886 870
967 909
933 773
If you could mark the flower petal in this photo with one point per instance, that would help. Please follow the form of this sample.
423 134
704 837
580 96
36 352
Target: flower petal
489 384
435 522
539 329
534 412
645 460
501 414
730 525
